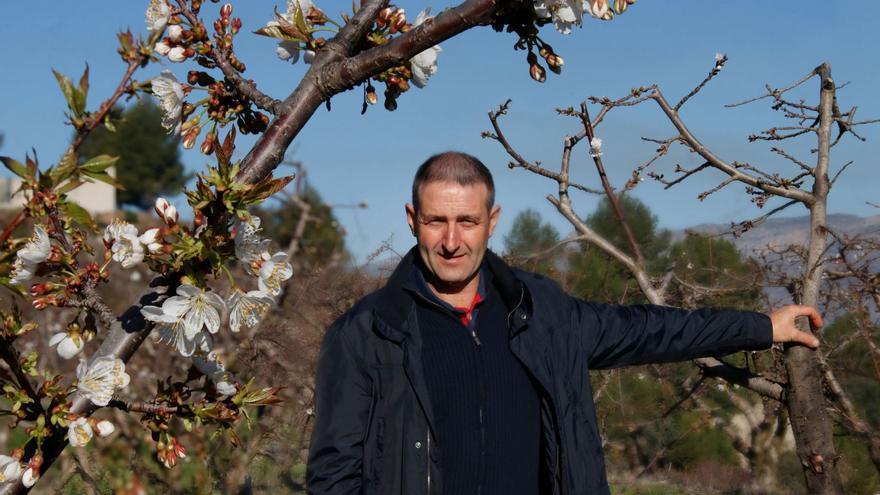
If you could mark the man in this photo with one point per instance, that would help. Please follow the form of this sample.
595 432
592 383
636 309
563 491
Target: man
463 376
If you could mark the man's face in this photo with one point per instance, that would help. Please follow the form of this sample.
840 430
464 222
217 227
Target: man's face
453 227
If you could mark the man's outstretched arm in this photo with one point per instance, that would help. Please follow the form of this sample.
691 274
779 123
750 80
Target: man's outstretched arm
615 336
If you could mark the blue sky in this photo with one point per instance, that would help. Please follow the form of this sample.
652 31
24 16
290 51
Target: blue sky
352 158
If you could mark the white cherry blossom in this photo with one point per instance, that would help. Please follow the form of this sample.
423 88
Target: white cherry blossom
68 345
183 318
424 65
211 366
122 237
79 432
105 428
38 248
99 380
170 331
564 13
169 91
10 469
35 251
21 272
247 308
274 272
595 147
157 16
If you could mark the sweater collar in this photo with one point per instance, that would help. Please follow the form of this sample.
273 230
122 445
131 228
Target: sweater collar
394 303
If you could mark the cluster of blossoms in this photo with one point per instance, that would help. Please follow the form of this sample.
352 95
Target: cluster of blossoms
295 30
81 430
188 318
223 104
11 469
127 247
567 13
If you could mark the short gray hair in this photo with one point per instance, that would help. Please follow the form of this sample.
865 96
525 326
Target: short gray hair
456 167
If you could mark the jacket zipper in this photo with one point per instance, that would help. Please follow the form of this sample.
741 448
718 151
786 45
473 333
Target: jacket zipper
428 456
557 484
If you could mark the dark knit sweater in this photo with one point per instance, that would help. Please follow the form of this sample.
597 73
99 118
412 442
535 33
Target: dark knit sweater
486 408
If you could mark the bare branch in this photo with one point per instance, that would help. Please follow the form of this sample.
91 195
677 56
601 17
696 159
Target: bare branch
775 93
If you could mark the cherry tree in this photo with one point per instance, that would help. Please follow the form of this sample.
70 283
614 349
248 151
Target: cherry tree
56 268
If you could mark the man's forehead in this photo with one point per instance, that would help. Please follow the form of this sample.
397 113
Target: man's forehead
477 190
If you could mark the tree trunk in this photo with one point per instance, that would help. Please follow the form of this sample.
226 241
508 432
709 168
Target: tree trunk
805 400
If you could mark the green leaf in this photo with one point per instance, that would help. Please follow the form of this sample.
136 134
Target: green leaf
103 177
77 213
76 101
16 167
99 163
84 84
69 186
66 167
109 124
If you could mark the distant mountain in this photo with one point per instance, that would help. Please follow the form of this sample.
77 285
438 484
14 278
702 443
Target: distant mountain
786 231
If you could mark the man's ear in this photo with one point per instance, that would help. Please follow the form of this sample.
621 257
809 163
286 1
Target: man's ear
411 217
493 218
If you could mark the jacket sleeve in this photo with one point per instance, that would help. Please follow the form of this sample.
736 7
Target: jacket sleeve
343 392
614 336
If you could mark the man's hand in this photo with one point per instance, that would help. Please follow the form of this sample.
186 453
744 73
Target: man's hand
785 330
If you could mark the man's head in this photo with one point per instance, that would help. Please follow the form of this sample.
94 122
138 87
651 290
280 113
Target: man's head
452 215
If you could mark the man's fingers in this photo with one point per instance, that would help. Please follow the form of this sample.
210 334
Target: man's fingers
811 313
805 338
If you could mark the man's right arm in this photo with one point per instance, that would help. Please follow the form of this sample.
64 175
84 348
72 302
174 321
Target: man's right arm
343 394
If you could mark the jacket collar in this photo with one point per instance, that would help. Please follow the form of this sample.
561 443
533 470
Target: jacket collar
394 303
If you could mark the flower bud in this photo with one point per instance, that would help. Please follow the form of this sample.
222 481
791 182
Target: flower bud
162 48
236 25
226 11
105 428
170 217
207 145
538 73
175 31
555 63
152 239
371 95
161 205
384 15
177 54
29 477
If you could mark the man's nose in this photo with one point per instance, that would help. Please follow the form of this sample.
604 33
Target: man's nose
451 238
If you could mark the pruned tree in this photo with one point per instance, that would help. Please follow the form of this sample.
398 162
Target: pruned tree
807 374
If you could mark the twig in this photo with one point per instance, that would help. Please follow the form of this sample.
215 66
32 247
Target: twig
775 93
244 86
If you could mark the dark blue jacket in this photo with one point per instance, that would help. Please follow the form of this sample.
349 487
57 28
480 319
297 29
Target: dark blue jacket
373 426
